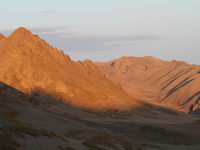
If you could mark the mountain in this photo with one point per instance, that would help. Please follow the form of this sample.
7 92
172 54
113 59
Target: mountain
48 101
43 123
1 36
175 84
31 65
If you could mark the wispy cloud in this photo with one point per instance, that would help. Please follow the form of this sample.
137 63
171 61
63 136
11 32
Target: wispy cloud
57 30
99 43
67 38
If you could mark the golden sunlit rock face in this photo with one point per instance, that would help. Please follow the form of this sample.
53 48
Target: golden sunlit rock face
175 84
29 64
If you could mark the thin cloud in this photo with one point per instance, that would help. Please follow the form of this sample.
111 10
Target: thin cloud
47 30
66 38
59 30
80 42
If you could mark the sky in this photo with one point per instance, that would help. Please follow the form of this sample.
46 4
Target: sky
101 30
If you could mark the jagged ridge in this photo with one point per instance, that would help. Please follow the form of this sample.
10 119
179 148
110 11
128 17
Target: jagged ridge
29 64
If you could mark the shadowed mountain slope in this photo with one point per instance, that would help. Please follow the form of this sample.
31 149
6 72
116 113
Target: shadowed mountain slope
29 64
39 122
175 84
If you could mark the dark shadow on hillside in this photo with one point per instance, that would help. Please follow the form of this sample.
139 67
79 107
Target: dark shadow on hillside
146 111
117 122
108 127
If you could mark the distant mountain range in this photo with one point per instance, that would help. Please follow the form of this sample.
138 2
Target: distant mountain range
175 84
31 65
50 102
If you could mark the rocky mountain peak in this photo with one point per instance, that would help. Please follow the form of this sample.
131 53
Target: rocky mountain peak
30 64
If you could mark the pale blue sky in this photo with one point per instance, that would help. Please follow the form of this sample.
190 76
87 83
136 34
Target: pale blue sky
101 30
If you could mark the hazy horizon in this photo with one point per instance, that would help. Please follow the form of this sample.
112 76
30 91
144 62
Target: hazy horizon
106 30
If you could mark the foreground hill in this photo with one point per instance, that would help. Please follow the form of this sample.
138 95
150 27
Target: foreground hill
42 123
175 84
31 65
